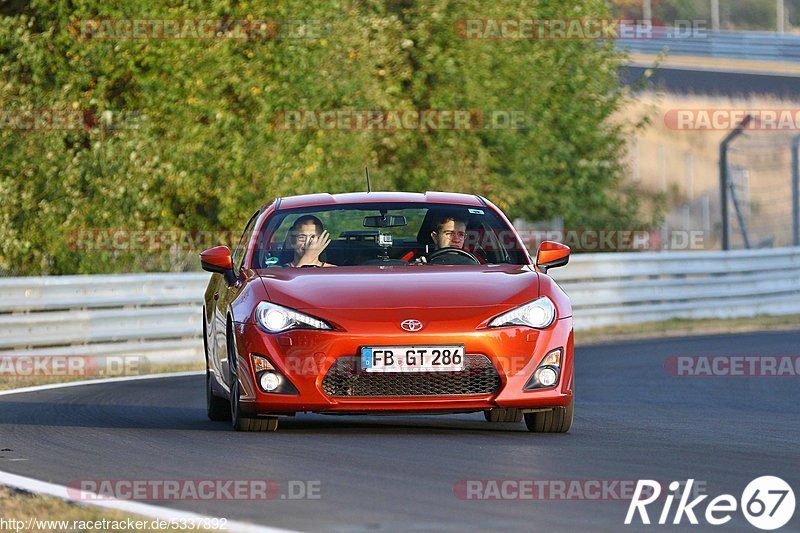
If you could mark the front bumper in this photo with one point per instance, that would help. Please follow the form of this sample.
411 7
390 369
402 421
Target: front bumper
305 357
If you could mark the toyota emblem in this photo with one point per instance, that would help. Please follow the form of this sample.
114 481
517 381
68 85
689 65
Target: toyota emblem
411 325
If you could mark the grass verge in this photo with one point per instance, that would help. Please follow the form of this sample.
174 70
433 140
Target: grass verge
8 382
686 327
26 512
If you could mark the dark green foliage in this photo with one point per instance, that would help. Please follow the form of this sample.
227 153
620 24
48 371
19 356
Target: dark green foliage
182 133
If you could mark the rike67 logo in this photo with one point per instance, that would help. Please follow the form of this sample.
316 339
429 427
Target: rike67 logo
767 502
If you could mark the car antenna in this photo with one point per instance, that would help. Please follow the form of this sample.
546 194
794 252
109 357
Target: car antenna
366 171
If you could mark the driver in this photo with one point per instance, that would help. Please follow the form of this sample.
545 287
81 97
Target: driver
449 231
308 239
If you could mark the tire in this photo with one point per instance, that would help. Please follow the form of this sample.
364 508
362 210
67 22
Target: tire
219 409
557 420
498 414
258 424
241 423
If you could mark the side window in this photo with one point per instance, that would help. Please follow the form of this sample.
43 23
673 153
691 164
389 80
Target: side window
238 254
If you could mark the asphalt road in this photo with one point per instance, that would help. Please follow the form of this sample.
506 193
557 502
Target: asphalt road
633 420
687 81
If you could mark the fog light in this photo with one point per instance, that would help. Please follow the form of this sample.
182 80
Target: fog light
547 377
270 381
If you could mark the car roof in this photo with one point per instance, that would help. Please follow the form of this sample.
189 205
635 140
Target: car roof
431 197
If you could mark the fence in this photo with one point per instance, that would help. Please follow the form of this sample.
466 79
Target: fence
159 315
683 164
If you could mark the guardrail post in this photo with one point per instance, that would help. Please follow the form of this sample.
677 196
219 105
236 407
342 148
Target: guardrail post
796 190
723 178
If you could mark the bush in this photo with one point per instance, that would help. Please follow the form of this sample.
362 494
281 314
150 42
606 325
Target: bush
186 133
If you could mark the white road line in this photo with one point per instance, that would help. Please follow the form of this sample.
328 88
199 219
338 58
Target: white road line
143 509
151 511
50 386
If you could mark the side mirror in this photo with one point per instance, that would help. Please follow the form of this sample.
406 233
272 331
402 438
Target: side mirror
552 255
218 260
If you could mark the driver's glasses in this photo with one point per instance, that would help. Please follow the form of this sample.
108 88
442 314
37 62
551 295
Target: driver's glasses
302 238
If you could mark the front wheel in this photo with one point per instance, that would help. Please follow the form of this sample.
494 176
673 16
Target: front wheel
556 420
240 423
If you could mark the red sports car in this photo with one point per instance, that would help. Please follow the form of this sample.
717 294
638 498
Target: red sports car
381 302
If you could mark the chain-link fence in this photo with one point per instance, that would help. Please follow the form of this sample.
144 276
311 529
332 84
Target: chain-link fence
760 190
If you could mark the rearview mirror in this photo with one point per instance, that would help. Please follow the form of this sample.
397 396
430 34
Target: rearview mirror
551 255
219 261
389 221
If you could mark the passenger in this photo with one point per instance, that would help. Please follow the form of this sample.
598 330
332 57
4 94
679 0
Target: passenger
308 239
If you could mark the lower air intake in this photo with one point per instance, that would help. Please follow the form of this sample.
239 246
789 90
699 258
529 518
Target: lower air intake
346 379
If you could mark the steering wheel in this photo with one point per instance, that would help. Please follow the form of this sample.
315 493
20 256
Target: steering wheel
458 252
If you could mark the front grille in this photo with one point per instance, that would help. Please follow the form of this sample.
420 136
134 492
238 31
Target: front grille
345 378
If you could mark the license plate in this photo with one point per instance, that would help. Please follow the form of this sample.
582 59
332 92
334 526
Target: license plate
413 359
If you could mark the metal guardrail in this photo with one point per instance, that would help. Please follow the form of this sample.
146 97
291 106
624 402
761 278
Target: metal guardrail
160 314
753 45
128 314
630 288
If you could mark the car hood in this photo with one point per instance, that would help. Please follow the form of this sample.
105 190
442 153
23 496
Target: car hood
430 286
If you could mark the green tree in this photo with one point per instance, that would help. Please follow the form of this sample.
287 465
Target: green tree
186 133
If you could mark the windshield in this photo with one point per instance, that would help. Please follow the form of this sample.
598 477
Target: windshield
381 234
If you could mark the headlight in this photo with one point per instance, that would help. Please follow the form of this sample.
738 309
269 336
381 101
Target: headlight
537 314
275 318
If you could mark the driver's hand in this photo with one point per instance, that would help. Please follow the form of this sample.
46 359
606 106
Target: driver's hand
421 260
314 247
